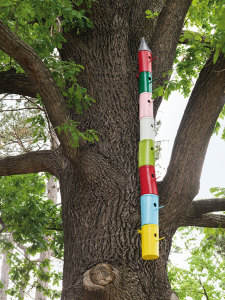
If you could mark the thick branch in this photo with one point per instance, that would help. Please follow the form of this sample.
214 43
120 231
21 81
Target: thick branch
40 76
3 226
181 182
195 35
199 213
166 37
19 84
201 207
206 220
32 162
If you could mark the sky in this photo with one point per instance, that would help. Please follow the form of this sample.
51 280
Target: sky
213 173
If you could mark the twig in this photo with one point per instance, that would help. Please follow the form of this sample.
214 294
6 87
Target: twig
205 293
2 224
29 108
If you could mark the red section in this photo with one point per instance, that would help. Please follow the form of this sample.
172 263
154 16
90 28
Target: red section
148 180
145 61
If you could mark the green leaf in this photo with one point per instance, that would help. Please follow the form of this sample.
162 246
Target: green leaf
216 55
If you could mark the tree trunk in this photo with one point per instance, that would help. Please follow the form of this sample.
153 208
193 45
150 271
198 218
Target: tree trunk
39 295
4 277
52 194
5 273
101 216
100 192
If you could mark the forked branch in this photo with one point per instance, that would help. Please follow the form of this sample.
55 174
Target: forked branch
166 37
181 183
200 213
205 206
205 220
42 80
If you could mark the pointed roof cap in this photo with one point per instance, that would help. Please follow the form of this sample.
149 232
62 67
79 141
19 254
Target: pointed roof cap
144 45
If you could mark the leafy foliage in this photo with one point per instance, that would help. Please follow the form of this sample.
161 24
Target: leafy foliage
150 14
205 276
89 135
36 226
206 18
65 74
42 24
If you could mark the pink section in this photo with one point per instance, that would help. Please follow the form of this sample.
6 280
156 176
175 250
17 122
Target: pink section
145 105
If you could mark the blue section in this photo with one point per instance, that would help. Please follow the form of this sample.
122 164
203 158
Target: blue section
149 209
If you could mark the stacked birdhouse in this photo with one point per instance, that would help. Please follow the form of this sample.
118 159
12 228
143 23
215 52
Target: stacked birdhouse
146 158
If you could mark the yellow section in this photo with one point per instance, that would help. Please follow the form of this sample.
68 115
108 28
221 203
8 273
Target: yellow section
150 241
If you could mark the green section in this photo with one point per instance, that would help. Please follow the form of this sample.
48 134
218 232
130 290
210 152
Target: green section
145 85
146 153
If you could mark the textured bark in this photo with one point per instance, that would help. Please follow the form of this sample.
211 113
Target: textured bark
32 162
205 220
101 194
200 214
13 83
201 207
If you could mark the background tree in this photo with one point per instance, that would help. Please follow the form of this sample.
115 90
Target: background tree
203 278
99 181
31 222
25 214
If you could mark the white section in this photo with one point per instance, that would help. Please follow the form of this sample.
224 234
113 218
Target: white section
147 128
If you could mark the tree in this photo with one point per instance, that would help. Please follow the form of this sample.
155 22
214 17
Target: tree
26 216
99 180
32 220
205 275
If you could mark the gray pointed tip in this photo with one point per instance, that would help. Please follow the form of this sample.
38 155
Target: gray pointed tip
144 45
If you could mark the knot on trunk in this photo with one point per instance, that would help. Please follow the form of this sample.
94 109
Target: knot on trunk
99 276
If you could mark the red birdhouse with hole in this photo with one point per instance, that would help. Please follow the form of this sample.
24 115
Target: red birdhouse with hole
148 180
145 61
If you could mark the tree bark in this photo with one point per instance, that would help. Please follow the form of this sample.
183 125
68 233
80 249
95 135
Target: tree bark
13 83
205 220
31 162
100 191
200 213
